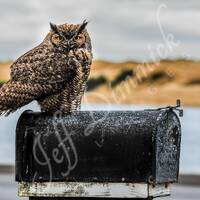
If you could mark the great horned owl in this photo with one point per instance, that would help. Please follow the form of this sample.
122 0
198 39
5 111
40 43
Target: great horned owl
53 73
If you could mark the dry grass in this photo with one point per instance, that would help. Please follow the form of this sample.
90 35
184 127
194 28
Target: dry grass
5 70
163 84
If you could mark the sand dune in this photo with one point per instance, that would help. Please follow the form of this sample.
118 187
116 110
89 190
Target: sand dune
153 83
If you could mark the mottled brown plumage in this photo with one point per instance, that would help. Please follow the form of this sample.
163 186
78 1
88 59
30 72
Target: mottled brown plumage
53 73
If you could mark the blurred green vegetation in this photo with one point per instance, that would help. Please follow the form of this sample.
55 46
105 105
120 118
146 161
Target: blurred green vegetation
161 76
93 83
122 76
1 82
194 82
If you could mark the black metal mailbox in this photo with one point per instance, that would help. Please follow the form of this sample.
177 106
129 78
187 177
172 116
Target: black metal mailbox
132 147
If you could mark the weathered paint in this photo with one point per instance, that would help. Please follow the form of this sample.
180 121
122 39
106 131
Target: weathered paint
159 190
78 189
167 145
99 146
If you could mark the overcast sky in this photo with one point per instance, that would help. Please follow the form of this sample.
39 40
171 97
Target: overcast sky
120 29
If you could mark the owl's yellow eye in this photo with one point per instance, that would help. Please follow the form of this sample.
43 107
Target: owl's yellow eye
56 38
79 37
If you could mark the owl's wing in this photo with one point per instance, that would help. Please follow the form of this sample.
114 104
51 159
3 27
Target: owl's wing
41 66
34 76
14 95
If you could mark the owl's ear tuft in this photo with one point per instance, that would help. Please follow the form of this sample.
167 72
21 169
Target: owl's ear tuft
54 27
82 26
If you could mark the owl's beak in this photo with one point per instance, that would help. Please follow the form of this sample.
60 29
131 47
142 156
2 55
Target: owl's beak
68 45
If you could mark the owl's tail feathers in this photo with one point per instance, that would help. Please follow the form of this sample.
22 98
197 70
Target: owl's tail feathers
14 95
